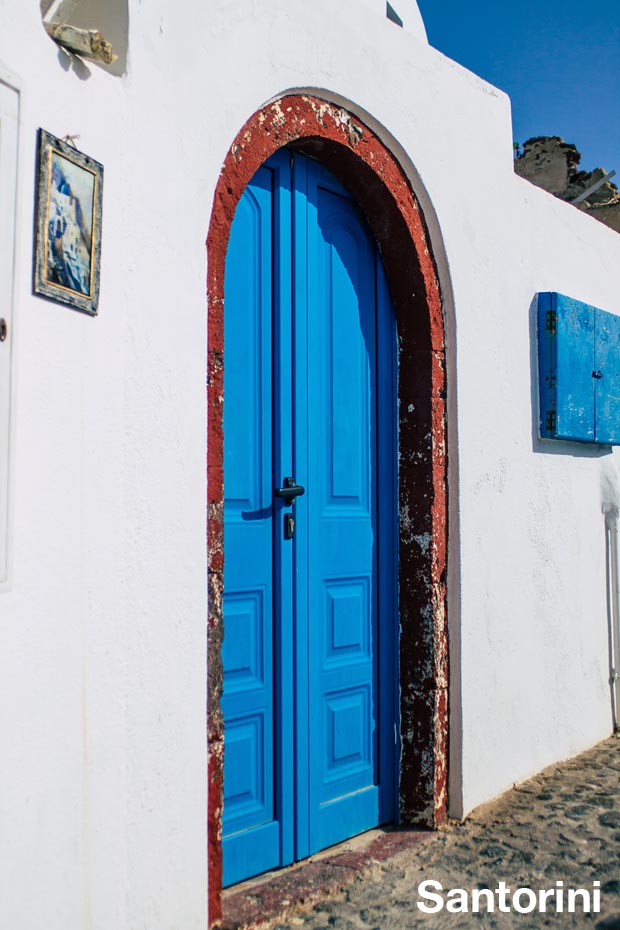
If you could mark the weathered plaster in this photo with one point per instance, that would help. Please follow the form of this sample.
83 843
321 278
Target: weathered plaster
354 152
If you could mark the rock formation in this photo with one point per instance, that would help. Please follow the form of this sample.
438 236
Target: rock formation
551 163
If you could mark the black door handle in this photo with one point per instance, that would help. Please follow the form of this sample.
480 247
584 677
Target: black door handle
290 490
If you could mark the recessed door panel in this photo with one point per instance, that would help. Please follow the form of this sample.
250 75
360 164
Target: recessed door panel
342 491
248 606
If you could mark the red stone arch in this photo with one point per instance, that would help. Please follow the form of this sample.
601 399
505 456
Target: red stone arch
355 154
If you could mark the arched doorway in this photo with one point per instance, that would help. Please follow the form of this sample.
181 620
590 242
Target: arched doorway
379 186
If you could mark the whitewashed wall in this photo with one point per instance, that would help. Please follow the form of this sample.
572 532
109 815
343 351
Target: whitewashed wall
102 624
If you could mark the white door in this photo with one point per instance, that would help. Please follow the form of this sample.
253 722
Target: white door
9 108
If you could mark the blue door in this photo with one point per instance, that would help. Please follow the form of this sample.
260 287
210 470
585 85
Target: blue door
309 522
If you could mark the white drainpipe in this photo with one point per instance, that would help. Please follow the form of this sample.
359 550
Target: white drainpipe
611 519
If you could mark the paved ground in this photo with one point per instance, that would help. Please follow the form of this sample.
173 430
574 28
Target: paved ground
562 825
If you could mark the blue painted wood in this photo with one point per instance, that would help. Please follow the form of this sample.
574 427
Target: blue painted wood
303 371
248 660
565 364
579 370
607 380
310 625
349 711
284 465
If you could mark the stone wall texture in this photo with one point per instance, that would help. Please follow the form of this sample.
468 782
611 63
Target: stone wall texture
551 163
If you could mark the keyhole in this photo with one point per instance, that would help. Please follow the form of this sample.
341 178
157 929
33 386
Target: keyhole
3 330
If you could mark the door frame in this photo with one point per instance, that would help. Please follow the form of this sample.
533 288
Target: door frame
359 158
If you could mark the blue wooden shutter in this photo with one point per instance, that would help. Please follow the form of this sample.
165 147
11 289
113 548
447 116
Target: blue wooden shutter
607 378
579 371
566 363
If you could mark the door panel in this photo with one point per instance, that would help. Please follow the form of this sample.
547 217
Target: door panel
9 125
309 621
341 501
248 606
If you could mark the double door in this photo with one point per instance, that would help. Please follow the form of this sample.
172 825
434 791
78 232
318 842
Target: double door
309 513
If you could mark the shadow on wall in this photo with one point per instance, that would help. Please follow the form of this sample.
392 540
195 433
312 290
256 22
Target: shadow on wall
108 17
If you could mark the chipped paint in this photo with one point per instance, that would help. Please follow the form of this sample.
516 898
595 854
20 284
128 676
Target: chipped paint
354 153
424 541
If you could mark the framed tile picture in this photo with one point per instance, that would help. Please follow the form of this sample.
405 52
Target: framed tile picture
67 225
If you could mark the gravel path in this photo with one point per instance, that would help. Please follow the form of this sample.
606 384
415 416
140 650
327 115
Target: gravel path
563 825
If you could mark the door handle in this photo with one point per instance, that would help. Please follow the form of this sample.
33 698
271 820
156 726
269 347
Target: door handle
289 491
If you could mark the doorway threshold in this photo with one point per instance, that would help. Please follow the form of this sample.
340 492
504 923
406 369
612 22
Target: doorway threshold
261 901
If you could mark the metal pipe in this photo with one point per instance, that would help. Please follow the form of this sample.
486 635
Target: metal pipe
594 187
616 620
614 570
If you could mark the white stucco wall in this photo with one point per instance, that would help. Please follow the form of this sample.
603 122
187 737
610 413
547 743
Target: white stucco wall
102 625
534 636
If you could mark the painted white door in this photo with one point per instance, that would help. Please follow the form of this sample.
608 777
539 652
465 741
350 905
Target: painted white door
9 111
